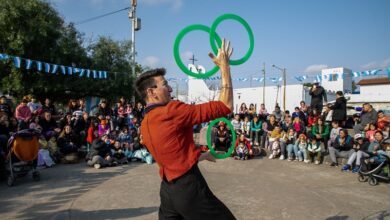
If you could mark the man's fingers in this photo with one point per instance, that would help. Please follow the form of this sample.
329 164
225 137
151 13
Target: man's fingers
227 46
230 52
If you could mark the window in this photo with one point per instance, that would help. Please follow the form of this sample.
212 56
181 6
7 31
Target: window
333 77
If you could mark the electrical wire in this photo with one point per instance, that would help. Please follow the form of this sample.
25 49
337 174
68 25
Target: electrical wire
100 16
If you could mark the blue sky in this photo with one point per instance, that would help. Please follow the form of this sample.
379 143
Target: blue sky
301 35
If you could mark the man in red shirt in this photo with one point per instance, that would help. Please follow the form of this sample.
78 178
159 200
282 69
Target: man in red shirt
166 131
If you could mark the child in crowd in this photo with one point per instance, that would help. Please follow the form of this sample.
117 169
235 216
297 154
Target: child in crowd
44 159
103 127
333 133
370 131
313 151
275 148
275 135
290 139
242 148
246 126
124 137
299 126
275 141
301 146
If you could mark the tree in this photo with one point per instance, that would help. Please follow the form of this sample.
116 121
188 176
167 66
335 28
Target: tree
33 29
115 56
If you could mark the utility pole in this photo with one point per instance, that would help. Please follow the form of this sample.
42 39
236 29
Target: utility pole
284 84
264 83
135 26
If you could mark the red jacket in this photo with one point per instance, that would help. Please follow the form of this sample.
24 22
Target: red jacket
167 133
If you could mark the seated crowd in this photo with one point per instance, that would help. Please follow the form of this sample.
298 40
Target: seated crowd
305 135
104 136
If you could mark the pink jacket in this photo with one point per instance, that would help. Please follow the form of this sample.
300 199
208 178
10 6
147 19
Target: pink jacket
23 112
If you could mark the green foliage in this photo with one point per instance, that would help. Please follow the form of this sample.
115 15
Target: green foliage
33 29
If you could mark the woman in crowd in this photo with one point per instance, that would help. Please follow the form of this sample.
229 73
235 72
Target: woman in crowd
236 122
243 110
263 113
67 141
342 147
278 113
320 131
222 138
256 131
72 106
251 111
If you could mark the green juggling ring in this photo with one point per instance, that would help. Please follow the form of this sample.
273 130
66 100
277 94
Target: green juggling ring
209 144
215 42
248 29
176 54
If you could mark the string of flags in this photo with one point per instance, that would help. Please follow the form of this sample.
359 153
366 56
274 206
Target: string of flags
53 68
301 78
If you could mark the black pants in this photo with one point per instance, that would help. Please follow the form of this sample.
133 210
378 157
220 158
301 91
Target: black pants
189 197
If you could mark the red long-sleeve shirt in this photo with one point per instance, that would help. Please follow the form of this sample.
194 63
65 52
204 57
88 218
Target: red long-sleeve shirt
167 133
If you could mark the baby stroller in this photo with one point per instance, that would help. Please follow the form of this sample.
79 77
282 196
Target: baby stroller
372 172
23 149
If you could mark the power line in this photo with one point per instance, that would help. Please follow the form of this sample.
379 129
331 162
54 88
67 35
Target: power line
100 16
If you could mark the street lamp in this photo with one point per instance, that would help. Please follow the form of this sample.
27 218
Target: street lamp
284 84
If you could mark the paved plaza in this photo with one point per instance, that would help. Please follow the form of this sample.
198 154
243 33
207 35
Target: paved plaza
254 189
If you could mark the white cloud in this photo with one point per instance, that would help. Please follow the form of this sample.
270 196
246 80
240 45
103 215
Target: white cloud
376 64
315 68
175 4
151 61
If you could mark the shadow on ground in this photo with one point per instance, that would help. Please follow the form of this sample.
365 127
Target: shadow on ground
58 187
105 214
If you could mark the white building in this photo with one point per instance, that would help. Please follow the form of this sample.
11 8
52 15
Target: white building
337 79
199 92
375 91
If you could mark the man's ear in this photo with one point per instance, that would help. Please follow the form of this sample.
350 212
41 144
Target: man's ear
149 92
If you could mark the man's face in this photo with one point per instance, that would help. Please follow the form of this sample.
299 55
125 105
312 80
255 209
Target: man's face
161 92
366 108
381 115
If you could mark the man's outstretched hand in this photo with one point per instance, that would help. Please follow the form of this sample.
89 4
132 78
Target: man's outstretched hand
207 156
224 54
